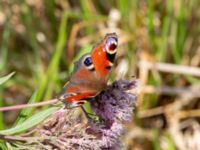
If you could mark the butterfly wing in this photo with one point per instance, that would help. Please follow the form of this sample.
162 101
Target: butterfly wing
82 84
103 55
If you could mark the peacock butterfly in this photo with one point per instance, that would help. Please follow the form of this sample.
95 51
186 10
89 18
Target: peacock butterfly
90 74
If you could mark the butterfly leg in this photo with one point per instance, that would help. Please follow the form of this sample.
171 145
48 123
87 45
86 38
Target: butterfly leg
89 116
85 112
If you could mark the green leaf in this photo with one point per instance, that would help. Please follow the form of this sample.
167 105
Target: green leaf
30 122
27 111
4 79
3 146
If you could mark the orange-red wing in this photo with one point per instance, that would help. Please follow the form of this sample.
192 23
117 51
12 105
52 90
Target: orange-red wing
100 60
103 55
80 97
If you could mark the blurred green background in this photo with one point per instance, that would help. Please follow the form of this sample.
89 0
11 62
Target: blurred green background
40 40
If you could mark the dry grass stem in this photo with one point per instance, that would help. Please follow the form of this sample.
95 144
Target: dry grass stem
172 68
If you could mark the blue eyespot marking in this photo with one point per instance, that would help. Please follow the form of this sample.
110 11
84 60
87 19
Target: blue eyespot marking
88 61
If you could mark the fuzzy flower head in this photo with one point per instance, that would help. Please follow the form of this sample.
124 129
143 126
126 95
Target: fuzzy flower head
65 130
115 103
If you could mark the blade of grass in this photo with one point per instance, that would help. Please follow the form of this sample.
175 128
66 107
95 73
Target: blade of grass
3 80
26 112
124 7
6 78
182 28
52 69
28 19
163 43
175 52
10 147
156 142
3 57
170 143
3 146
52 73
87 11
50 6
4 43
150 12
30 122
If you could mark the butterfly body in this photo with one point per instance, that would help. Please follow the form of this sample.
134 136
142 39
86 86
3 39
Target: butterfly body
90 73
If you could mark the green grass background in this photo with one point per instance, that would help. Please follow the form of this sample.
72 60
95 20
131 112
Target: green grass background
34 43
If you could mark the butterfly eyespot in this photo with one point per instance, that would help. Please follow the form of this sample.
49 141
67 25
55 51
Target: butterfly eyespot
88 61
111 45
